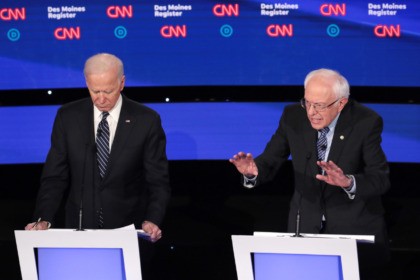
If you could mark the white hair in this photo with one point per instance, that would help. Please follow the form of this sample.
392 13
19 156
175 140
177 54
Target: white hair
103 62
340 87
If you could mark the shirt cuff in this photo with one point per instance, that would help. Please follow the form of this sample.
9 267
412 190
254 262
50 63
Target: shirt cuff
351 190
249 182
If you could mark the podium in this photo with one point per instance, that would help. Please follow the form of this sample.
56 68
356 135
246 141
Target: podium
265 256
69 254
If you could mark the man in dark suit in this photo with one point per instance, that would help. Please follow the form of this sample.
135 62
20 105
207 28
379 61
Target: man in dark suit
132 185
339 183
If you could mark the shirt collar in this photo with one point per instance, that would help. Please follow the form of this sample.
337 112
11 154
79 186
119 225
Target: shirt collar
332 125
114 112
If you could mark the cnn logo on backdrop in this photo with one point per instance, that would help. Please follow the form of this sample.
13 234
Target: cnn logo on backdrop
333 10
119 11
276 30
384 31
170 31
223 10
64 33
8 14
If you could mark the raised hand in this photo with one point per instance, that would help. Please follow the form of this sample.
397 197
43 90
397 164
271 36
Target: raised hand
334 175
245 164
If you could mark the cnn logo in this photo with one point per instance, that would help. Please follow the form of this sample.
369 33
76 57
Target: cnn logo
8 14
222 10
169 31
383 31
120 11
63 33
333 10
275 30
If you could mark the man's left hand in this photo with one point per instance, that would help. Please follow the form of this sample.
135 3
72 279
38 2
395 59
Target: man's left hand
153 230
333 174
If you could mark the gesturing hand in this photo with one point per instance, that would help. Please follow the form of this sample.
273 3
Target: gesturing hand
333 174
245 164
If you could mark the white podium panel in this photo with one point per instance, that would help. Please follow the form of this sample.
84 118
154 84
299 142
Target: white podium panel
295 255
118 250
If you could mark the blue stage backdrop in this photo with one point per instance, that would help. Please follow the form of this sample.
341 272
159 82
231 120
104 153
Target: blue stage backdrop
203 131
43 44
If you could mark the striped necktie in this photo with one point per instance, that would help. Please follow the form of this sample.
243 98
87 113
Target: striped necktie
321 144
102 143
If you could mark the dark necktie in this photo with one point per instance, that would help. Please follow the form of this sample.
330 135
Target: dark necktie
321 144
102 143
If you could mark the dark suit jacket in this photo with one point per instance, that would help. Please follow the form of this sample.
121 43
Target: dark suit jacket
136 185
355 149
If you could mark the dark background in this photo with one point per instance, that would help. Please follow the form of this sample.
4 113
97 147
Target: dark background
203 214
208 204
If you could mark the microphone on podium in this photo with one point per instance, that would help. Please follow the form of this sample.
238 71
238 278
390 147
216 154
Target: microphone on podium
88 148
297 229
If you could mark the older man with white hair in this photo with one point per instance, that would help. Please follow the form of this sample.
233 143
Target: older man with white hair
340 169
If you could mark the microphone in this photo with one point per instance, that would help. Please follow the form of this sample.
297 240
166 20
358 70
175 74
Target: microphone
297 230
80 227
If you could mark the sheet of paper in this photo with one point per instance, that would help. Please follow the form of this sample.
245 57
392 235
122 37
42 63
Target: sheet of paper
359 238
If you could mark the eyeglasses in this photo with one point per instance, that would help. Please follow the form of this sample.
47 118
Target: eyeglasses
317 107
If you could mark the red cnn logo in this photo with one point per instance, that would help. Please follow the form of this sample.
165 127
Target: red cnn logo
169 31
275 30
119 11
222 10
333 9
63 33
13 14
383 31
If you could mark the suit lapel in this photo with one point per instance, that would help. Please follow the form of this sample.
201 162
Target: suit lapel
310 136
85 121
341 133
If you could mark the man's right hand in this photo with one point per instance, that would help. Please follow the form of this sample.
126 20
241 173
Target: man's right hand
245 164
41 225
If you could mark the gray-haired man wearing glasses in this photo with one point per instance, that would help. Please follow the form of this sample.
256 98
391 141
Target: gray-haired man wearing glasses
340 170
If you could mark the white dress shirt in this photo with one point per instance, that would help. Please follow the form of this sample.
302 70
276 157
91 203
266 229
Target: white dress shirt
114 115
